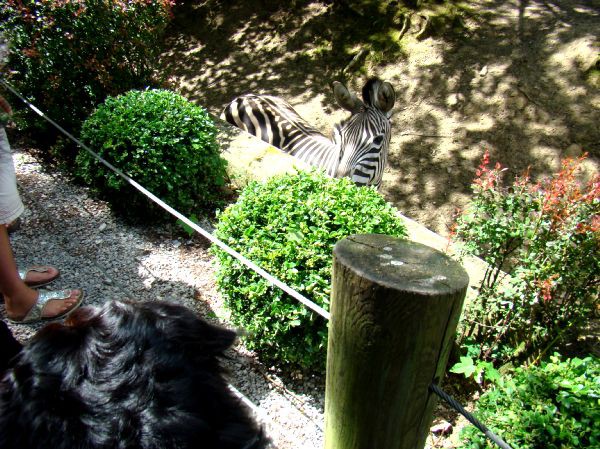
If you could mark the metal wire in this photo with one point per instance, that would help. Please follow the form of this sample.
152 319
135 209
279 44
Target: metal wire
258 412
460 409
270 278
267 276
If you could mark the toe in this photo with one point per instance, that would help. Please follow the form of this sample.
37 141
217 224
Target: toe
56 307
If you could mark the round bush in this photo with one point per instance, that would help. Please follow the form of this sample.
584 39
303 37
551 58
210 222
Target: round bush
554 405
289 226
162 141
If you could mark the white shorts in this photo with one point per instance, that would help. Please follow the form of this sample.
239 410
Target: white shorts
11 205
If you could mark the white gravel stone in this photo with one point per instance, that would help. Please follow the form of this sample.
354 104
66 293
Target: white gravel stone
108 258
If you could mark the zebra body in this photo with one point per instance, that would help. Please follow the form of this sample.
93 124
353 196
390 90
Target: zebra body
359 147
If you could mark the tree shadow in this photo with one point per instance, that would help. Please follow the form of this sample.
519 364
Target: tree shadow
510 84
217 50
512 87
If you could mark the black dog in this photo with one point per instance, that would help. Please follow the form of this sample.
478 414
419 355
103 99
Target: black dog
127 375
9 346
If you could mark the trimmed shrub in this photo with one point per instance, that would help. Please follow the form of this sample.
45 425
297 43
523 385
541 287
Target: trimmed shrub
68 56
553 406
288 226
162 141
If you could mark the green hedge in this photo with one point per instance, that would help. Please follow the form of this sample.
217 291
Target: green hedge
162 141
68 56
289 226
553 406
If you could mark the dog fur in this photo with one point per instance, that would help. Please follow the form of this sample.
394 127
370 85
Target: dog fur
9 346
127 375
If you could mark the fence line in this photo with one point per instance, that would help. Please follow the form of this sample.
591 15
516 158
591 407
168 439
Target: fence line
459 408
248 263
258 412
267 276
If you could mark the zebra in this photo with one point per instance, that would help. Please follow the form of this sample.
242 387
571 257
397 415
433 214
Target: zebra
360 144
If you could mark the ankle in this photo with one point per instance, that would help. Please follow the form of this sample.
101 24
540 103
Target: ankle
20 301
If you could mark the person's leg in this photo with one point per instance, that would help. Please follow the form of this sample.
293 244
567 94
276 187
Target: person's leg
11 206
18 297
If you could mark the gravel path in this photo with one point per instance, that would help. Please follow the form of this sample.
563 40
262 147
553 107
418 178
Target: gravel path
64 226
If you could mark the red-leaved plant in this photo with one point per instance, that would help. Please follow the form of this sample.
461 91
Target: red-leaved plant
541 241
67 56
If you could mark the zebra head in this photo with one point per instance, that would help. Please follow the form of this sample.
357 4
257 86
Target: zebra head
364 138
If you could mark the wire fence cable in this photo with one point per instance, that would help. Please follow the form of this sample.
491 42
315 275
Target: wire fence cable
267 276
460 409
248 263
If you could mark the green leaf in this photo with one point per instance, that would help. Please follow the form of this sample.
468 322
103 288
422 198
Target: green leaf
187 228
465 367
295 236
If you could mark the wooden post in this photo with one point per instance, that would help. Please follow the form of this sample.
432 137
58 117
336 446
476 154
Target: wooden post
395 306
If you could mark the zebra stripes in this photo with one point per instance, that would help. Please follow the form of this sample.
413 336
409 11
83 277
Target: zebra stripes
359 145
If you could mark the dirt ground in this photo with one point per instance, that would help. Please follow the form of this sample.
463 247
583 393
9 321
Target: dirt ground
512 81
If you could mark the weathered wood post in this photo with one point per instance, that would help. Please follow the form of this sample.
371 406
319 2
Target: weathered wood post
395 306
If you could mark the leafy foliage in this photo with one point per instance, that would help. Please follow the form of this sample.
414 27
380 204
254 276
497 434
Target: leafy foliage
470 365
555 405
68 56
162 141
546 235
289 226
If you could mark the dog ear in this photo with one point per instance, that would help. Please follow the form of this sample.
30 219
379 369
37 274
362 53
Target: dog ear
53 349
216 339
347 100
182 326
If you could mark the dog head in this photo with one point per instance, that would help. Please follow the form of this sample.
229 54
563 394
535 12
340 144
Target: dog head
127 375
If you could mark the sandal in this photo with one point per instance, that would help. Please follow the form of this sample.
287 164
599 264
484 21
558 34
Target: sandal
38 269
35 313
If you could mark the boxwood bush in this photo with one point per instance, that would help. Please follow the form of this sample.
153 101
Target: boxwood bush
555 405
289 226
162 141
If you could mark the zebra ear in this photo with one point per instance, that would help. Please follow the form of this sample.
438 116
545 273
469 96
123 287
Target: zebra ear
379 94
386 97
346 99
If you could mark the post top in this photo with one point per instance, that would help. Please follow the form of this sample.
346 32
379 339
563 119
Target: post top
401 264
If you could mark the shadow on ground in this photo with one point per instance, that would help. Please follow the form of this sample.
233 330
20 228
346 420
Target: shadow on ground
216 49
513 81
110 259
